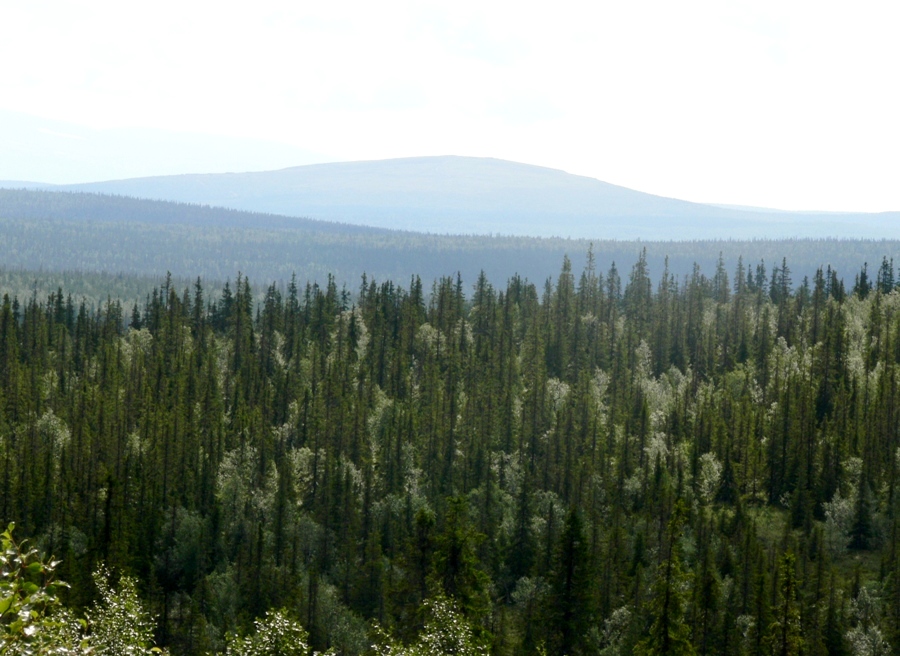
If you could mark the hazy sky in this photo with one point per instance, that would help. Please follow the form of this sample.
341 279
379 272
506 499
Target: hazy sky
772 103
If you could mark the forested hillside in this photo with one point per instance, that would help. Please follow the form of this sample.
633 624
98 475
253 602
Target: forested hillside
52 232
599 465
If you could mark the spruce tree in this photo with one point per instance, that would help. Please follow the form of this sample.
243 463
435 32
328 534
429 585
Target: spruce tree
669 633
785 634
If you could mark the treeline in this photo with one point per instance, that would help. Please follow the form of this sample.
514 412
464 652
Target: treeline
601 465
58 231
94 288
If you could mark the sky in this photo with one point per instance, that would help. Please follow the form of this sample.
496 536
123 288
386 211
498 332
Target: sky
792 105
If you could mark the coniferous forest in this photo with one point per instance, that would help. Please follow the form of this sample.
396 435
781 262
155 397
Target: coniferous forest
601 464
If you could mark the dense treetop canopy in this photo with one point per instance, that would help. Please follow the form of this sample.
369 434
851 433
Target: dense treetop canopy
604 464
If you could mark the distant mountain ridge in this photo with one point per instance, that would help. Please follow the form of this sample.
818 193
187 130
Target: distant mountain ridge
466 195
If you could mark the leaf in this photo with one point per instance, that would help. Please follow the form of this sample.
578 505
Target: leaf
5 604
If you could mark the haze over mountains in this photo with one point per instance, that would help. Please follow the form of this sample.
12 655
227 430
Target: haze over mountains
465 195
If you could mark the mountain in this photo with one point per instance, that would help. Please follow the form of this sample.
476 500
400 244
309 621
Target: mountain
465 195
